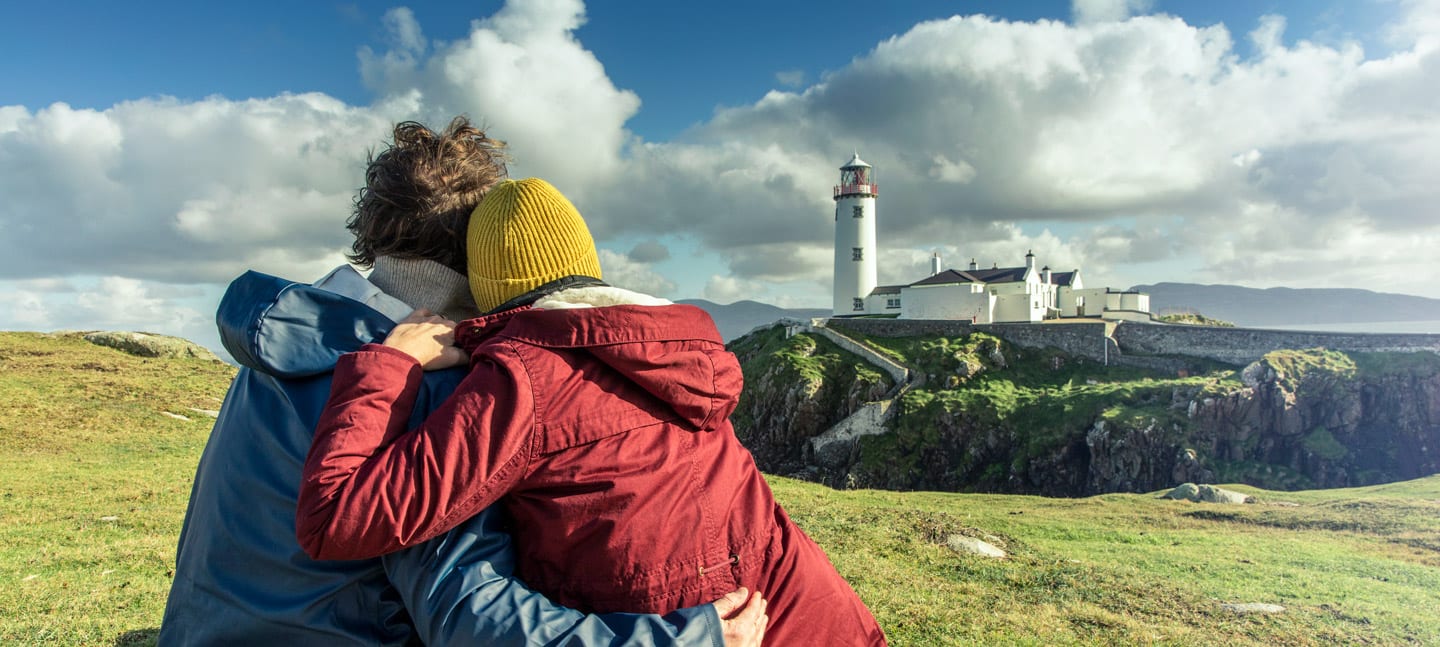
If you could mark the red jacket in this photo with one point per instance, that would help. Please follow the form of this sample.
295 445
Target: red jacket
606 431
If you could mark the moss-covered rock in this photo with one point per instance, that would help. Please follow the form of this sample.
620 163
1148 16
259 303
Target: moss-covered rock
795 389
150 345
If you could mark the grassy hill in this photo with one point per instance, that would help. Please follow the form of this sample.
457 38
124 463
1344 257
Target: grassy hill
95 470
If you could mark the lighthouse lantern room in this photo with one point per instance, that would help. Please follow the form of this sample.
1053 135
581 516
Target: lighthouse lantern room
855 253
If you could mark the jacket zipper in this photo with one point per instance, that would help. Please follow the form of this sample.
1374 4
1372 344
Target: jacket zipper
733 561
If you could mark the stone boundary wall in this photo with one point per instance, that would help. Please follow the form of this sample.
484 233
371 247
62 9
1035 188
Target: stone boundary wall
899 375
835 448
1081 339
1244 345
1131 343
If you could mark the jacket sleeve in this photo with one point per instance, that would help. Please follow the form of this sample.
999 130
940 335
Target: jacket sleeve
459 590
369 488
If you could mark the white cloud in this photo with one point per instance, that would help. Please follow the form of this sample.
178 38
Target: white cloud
945 170
174 191
1093 11
790 78
523 73
620 271
729 289
110 303
27 311
405 31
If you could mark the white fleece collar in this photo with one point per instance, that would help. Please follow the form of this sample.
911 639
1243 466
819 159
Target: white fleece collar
597 297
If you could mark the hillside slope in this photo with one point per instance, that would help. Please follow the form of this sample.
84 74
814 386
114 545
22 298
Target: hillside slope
95 470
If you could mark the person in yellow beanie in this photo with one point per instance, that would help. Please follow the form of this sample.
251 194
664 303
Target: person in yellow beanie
597 415
525 242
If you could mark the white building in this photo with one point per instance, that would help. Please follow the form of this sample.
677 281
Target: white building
995 295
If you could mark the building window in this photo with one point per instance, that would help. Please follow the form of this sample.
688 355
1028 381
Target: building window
857 253
892 303
858 211
859 304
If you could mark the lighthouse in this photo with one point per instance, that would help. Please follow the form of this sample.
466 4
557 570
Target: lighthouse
855 253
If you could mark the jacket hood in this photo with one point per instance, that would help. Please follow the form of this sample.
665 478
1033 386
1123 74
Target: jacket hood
290 329
671 351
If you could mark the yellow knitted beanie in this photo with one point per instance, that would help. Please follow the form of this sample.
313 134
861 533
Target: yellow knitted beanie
523 235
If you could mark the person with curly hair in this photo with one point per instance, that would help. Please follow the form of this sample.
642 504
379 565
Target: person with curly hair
241 578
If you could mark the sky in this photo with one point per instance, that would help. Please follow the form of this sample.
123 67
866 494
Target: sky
150 155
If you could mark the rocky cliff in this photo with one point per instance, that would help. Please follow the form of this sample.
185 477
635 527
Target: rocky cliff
795 389
996 418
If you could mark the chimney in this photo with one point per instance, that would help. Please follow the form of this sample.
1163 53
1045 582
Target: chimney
973 266
934 263
1045 275
1030 259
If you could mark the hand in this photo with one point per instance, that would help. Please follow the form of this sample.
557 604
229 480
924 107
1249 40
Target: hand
429 338
742 618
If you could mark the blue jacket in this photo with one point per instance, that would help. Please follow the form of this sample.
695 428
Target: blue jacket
241 577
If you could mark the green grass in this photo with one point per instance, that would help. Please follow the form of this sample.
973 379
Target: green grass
82 439
1355 566
94 480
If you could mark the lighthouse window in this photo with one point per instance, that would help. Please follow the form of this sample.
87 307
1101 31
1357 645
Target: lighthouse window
858 211
858 304
857 253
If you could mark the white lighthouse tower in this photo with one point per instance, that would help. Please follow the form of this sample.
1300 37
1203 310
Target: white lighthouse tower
855 253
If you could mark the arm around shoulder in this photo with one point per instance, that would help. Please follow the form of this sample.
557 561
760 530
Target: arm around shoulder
460 589
369 489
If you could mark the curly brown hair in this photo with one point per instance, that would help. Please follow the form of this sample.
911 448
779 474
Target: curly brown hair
420 190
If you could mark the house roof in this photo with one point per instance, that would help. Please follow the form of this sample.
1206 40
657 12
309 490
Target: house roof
945 278
1062 278
887 289
992 275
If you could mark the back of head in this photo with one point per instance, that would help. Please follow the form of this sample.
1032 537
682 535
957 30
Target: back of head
524 235
419 193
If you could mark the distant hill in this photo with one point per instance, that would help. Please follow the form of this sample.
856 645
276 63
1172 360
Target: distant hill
741 317
1289 306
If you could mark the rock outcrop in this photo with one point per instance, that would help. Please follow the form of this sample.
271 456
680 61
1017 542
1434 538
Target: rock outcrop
998 419
797 388
150 345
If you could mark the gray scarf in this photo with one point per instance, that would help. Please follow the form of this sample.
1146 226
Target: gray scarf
425 284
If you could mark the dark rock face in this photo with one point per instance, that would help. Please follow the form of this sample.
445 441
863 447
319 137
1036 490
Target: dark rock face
793 397
1284 426
1324 430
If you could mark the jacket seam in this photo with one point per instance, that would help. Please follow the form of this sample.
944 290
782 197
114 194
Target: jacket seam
448 521
262 319
535 422
714 392
716 626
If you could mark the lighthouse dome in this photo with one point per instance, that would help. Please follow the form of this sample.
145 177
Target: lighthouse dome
855 162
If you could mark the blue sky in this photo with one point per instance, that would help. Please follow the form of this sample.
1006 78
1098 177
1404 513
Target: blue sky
149 155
